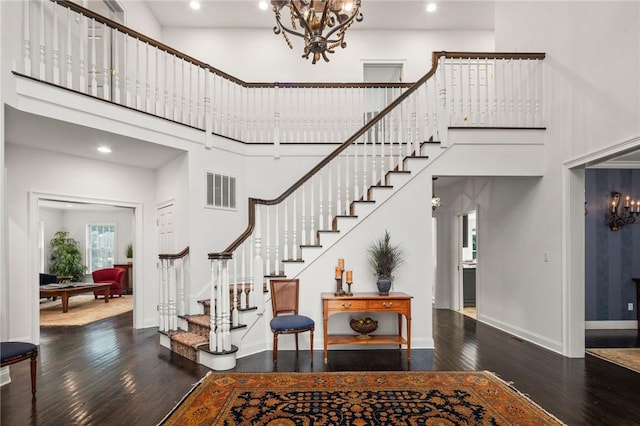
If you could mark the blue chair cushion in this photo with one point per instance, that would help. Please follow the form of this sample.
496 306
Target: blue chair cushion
291 322
10 350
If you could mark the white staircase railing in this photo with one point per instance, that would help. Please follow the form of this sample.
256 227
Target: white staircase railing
280 229
174 284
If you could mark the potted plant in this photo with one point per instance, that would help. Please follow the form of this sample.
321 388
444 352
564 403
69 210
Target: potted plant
66 259
129 251
384 258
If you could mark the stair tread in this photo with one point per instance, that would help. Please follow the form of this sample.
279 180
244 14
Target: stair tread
188 338
203 320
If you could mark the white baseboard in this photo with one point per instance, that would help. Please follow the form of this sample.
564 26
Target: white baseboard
5 378
611 325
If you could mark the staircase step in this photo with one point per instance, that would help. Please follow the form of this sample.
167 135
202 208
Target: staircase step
199 324
344 223
397 177
186 344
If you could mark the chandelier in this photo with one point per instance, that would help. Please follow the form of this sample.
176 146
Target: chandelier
630 207
321 23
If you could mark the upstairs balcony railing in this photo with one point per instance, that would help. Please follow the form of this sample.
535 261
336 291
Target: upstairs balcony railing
67 45
379 126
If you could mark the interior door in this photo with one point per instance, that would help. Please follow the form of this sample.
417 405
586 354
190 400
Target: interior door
165 222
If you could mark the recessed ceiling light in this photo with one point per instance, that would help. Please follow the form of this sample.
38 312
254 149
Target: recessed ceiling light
263 5
431 7
195 5
104 149
70 206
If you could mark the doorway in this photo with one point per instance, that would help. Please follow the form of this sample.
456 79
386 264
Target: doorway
77 218
468 255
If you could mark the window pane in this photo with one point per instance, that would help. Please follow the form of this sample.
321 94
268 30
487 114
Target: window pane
232 193
102 242
225 191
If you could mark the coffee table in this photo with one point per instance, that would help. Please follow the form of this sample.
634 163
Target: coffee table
65 290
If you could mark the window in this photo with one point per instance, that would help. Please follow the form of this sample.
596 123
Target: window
221 191
101 246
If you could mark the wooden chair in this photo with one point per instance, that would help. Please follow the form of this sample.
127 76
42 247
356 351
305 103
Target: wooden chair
13 352
284 302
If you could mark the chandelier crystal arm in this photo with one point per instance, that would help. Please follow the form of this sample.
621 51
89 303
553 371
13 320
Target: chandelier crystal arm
323 23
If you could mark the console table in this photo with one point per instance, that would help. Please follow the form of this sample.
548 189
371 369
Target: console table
399 303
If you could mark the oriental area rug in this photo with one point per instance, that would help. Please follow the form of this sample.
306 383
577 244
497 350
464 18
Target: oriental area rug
356 398
625 357
83 309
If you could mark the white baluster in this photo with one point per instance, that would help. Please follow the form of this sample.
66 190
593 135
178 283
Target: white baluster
26 38
346 181
356 160
267 260
257 268
303 226
249 291
82 40
147 79
174 88
56 48
338 186
166 106
157 109
312 217
286 254
294 227
116 67
276 243
106 89
94 81
138 93
226 315
190 94
321 221
235 319
69 51
172 313
329 204
163 325
183 104
42 64
276 125
243 276
215 326
182 304
208 113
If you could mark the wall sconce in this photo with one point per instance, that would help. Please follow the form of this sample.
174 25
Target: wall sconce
630 214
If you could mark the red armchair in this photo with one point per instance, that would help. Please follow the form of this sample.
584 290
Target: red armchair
113 276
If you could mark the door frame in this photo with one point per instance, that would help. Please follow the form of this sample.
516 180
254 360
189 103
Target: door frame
33 260
458 292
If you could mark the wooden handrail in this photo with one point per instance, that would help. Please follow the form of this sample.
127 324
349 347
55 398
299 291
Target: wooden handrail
155 43
179 255
435 57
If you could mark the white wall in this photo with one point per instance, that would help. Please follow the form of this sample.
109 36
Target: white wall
517 290
137 16
592 87
255 55
414 277
32 171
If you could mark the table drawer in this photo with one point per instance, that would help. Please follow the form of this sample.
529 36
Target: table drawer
387 305
346 305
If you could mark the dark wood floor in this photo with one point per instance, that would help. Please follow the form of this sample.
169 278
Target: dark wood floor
109 374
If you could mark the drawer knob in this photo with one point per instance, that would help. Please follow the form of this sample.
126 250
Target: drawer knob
346 305
387 305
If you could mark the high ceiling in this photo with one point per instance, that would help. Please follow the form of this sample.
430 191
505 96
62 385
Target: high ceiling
378 14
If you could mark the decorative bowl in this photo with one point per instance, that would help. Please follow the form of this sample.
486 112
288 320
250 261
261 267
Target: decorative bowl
363 326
